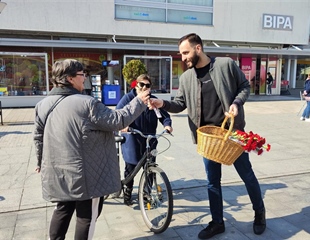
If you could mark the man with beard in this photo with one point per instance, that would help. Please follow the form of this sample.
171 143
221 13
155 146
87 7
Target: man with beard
210 89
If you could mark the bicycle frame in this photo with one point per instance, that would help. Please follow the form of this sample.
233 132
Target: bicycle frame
154 191
145 161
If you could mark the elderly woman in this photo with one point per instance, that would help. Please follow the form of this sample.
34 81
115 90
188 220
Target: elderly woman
76 151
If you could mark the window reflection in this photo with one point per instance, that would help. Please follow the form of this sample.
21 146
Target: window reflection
159 69
22 75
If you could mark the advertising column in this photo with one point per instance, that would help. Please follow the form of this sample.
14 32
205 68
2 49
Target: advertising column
96 86
248 68
111 94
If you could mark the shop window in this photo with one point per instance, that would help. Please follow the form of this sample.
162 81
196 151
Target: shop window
23 74
196 12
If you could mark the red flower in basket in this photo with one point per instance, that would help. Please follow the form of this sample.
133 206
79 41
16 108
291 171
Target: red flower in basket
250 141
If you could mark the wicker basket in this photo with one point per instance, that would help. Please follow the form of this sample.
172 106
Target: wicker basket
213 143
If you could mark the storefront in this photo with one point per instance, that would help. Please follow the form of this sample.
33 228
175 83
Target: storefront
255 70
24 76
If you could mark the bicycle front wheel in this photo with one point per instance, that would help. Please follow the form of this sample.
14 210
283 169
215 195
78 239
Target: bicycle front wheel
155 199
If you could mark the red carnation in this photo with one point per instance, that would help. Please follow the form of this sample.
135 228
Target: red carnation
250 141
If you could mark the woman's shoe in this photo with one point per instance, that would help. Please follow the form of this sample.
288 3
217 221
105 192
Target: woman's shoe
127 196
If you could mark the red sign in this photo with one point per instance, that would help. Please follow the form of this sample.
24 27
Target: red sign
246 64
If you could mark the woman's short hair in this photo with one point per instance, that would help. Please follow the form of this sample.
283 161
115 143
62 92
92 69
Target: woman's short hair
144 77
63 69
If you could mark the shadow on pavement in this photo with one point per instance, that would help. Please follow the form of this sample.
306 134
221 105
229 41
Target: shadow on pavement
2 134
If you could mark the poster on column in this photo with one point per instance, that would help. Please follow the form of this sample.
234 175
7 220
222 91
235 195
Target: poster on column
247 68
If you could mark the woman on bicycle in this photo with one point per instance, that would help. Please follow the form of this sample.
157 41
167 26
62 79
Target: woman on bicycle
134 146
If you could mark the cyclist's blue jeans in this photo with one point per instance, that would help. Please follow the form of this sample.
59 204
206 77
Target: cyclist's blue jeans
214 174
306 112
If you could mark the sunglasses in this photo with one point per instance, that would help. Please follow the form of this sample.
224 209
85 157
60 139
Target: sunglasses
141 85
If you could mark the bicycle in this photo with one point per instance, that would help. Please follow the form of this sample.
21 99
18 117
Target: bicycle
154 190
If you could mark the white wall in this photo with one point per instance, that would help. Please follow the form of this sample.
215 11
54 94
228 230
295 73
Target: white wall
241 20
234 20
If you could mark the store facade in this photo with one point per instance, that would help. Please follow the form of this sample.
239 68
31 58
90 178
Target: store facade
266 41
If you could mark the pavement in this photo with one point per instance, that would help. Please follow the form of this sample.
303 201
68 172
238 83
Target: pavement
283 173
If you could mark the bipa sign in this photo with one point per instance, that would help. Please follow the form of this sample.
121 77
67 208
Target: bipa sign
278 22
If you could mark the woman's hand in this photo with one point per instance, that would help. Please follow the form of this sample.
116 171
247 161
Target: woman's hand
125 129
169 128
144 96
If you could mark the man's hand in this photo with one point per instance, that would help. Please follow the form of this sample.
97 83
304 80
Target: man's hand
233 110
37 169
155 103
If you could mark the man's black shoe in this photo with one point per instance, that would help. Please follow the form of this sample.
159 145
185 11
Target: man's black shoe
212 229
259 224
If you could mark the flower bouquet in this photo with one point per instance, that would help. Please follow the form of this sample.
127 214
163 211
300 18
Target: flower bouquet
250 141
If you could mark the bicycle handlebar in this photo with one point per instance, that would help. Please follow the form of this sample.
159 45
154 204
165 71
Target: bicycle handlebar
133 130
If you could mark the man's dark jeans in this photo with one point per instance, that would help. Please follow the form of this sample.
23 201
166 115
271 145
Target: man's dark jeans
214 174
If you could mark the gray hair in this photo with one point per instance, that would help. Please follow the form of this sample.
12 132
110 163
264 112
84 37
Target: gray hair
63 69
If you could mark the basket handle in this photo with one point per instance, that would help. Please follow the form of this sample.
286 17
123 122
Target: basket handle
232 120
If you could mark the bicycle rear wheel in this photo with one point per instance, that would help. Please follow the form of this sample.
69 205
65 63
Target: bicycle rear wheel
155 199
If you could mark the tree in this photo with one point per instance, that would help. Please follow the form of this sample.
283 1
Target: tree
133 69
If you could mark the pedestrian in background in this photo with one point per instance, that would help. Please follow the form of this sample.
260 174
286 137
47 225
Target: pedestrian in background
269 81
306 94
76 151
210 89
134 146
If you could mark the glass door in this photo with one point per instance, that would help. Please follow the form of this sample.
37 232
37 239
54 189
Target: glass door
263 76
159 68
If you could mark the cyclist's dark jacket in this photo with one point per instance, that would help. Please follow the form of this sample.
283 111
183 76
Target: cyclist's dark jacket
307 87
134 146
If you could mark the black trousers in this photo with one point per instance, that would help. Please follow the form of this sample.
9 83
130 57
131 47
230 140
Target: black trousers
128 169
141 145
87 213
